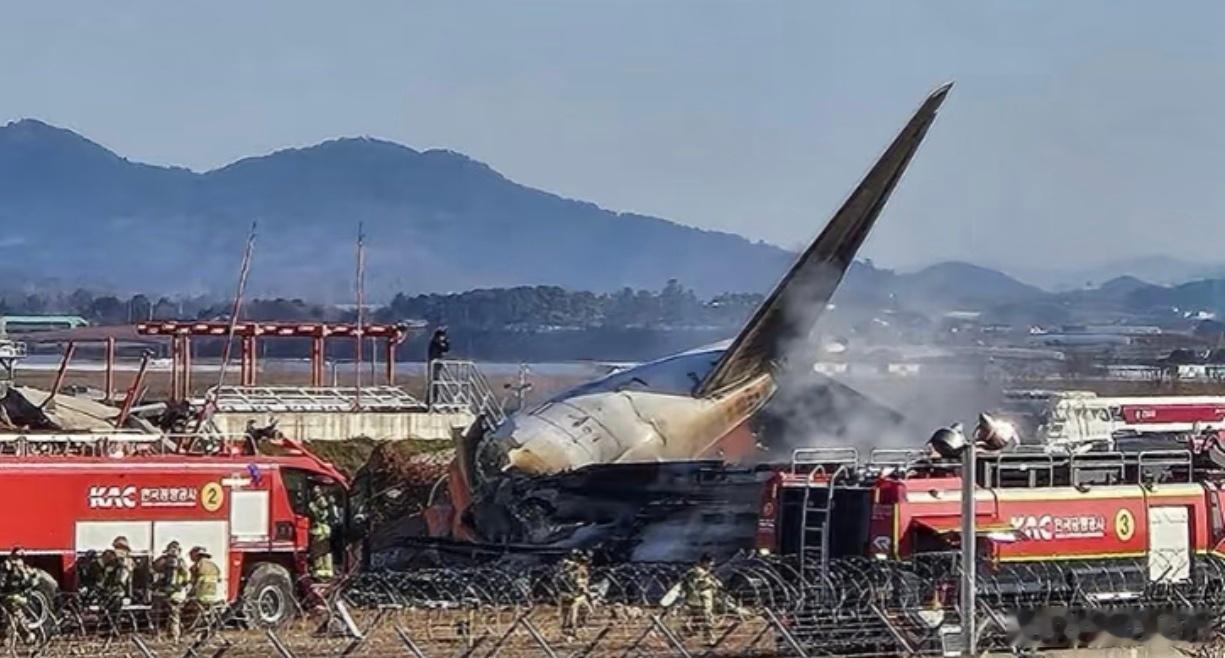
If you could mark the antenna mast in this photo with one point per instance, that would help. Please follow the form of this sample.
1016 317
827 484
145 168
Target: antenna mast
210 400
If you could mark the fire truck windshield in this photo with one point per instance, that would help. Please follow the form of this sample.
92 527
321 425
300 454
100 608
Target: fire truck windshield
301 486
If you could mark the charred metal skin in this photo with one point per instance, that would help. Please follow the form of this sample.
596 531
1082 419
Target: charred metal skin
671 511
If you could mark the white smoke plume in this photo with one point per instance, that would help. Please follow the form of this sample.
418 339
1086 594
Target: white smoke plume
863 412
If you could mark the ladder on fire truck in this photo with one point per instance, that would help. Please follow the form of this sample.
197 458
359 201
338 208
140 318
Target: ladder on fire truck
825 467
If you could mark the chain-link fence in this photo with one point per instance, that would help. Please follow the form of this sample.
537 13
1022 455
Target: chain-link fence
763 607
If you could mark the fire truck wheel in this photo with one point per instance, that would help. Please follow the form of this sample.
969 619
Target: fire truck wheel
268 597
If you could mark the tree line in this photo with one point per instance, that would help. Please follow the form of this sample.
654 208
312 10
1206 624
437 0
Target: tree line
517 309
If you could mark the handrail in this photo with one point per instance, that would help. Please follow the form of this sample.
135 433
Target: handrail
1017 463
1165 458
885 456
823 455
1078 463
461 384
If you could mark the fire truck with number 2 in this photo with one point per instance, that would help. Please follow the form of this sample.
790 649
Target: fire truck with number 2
68 495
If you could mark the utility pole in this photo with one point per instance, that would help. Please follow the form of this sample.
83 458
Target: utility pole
360 283
969 554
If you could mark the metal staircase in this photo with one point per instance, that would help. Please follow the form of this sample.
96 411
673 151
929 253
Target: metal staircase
461 385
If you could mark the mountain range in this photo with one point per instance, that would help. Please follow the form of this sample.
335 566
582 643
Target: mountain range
1160 270
76 213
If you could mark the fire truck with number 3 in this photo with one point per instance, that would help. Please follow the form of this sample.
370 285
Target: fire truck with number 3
1148 512
68 495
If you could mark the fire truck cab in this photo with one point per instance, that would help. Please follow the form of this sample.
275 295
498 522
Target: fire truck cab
69 496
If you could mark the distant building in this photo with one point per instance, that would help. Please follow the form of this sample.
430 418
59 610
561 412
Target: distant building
1078 339
27 324
970 316
903 369
1191 371
831 367
1133 372
1123 330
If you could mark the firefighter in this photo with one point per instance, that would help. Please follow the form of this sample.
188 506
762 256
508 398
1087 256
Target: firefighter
101 593
117 579
321 520
89 572
170 582
251 437
699 588
574 591
17 582
205 583
205 577
438 348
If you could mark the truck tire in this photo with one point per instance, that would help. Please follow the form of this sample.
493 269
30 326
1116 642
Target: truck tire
268 597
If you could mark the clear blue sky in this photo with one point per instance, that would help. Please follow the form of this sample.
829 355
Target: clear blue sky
1078 130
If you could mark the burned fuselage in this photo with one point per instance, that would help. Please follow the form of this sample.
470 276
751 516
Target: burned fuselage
643 414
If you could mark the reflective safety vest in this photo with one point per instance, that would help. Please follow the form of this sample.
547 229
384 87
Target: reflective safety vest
205 578
575 577
321 518
118 574
700 586
172 577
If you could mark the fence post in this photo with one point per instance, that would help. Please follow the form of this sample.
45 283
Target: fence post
969 543
592 644
787 636
531 630
669 636
142 647
509 629
756 638
720 640
408 642
893 630
278 645
475 645
637 641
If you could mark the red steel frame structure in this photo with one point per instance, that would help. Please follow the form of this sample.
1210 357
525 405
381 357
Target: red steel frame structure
181 333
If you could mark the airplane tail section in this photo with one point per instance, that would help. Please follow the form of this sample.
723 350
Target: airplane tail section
798 300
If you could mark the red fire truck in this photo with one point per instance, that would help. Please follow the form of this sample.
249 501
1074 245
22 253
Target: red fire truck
1152 515
67 495
1080 418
